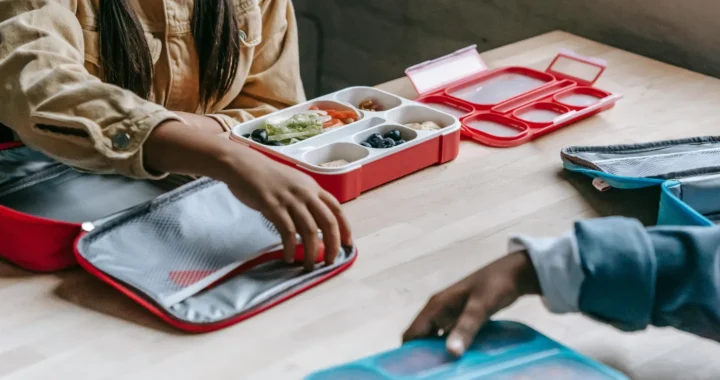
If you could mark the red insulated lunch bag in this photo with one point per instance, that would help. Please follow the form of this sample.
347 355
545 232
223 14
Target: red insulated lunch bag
185 249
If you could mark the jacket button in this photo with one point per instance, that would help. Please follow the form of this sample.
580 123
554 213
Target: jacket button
243 36
121 141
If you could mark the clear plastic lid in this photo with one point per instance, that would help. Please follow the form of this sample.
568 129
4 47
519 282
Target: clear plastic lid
444 71
583 70
494 127
415 361
499 87
502 336
552 368
578 100
449 109
581 97
349 373
543 112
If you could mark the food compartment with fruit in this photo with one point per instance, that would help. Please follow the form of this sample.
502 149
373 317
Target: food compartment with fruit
349 150
368 99
299 123
386 136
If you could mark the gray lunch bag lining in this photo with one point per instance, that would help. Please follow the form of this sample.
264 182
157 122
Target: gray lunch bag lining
694 163
34 184
670 159
173 247
21 162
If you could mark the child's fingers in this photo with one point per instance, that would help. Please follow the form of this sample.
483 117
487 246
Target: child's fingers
444 321
343 223
329 226
473 316
424 323
285 226
420 328
307 228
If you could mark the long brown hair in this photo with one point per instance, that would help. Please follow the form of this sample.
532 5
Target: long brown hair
126 60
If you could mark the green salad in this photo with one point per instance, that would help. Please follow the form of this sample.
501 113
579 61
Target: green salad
297 128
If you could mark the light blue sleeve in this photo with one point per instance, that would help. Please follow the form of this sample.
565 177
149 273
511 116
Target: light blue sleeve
617 271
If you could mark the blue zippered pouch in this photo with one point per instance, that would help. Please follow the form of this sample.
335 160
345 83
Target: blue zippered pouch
503 350
686 170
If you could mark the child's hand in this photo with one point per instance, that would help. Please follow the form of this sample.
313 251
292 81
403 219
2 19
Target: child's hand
289 199
293 202
463 308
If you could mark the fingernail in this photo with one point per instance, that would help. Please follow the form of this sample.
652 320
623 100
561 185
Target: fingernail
456 346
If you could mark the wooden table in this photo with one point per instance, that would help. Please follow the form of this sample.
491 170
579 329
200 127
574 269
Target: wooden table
415 235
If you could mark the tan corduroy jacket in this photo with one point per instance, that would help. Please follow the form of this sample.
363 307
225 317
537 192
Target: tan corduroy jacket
52 98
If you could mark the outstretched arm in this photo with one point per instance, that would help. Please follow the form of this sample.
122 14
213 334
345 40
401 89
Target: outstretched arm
613 269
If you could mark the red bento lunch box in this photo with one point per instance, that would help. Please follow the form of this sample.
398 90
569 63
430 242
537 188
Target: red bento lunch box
510 106
366 168
503 107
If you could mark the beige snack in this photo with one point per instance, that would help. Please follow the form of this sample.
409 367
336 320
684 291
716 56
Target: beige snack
369 105
425 126
334 164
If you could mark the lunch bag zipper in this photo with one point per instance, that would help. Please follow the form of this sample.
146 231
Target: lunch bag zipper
33 179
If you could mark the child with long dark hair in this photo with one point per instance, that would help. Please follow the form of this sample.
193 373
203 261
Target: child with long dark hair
143 88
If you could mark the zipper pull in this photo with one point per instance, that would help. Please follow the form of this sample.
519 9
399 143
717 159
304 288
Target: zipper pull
601 185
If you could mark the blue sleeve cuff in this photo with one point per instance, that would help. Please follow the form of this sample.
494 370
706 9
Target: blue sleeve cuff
620 266
558 267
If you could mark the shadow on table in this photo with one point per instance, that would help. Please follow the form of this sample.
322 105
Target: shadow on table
83 290
612 360
8 270
641 204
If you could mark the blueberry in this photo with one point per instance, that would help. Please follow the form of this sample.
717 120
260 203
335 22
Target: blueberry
398 142
388 143
247 135
259 135
394 134
375 140
274 143
374 137
366 144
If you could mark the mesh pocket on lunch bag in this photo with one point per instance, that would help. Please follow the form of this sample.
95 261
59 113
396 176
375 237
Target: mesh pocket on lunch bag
182 246
661 166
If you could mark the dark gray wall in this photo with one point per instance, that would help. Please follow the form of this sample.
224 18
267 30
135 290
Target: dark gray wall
371 41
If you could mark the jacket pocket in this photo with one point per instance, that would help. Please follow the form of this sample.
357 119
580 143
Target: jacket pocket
249 17
92 49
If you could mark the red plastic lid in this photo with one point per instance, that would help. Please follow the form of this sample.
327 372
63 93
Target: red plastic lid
583 70
439 73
